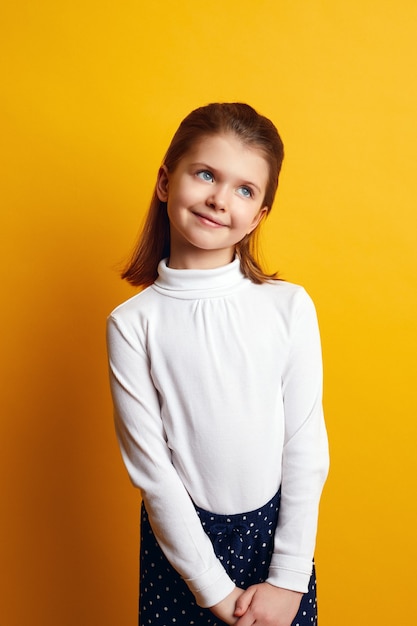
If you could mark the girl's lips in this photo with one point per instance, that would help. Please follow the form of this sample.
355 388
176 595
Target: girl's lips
205 219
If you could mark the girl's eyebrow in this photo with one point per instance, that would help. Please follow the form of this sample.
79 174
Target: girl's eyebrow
206 166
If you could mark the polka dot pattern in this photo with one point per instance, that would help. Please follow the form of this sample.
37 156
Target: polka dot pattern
244 544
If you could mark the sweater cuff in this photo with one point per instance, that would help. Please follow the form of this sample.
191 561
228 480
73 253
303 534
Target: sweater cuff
211 587
290 572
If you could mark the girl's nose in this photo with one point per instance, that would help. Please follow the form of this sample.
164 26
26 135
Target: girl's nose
217 200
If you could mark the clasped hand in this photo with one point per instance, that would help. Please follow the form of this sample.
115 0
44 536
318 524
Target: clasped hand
263 604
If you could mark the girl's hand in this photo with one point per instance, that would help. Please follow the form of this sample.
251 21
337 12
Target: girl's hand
267 605
225 610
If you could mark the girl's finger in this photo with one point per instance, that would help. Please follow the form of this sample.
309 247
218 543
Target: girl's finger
243 602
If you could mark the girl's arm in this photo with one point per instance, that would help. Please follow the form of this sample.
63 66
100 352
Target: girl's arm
305 454
147 456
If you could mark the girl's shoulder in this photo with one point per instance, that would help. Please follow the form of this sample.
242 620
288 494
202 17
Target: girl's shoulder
286 296
133 305
284 289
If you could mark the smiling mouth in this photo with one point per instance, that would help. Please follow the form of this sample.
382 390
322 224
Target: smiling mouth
209 221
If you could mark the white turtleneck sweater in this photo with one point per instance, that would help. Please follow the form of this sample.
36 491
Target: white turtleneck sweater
217 388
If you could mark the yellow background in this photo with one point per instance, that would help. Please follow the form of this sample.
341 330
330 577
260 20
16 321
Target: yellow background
92 92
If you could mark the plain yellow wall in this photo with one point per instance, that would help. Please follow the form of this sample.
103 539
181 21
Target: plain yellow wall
92 92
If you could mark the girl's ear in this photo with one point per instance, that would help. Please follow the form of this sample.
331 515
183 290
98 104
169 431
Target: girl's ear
257 219
162 184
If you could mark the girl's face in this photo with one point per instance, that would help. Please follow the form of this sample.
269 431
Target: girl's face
214 198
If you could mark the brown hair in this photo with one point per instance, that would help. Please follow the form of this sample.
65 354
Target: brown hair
254 130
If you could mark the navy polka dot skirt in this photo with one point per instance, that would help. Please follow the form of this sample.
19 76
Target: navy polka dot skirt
244 544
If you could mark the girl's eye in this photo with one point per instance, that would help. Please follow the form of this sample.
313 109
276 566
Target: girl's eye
206 175
246 192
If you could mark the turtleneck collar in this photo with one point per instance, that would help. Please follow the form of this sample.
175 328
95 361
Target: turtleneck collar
189 284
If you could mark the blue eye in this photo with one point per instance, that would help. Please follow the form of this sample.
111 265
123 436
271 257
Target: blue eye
246 192
206 175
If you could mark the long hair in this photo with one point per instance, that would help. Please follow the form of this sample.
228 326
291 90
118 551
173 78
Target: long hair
253 130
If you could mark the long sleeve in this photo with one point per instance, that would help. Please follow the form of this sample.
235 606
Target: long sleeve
305 457
147 456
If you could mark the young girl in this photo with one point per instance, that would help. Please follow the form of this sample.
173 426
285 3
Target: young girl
216 379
